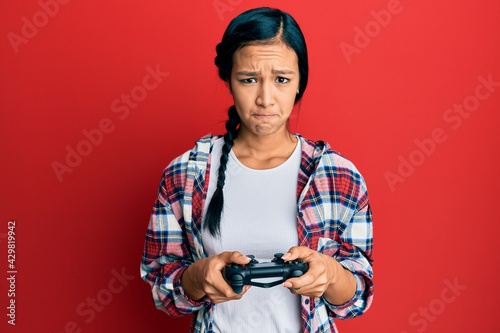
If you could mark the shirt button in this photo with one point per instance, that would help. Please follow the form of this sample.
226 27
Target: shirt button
307 301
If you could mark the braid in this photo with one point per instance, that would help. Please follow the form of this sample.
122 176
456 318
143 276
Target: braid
214 211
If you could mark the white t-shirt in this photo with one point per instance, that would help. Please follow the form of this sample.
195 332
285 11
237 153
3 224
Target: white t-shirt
259 218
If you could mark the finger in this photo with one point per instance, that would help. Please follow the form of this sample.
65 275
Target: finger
239 258
226 258
221 288
233 295
223 296
305 280
293 283
220 283
305 290
294 287
234 257
296 252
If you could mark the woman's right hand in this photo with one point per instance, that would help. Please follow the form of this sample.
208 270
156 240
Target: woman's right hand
204 277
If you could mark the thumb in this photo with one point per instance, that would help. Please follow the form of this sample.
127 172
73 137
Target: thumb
238 258
293 253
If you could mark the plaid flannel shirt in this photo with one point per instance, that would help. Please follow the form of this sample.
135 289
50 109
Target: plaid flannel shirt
333 217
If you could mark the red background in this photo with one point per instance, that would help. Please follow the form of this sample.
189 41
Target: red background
435 225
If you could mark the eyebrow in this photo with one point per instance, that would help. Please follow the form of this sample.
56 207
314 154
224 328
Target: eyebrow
274 71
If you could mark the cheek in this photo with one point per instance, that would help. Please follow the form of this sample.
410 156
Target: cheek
238 101
289 101
243 99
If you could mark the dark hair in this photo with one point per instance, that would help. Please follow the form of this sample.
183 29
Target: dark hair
259 26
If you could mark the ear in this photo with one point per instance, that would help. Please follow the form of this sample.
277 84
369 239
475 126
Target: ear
228 85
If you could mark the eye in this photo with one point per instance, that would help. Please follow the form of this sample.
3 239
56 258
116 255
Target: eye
249 80
282 80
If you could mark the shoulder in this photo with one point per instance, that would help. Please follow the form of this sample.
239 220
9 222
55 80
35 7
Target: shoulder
323 164
321 153
174 176
198 153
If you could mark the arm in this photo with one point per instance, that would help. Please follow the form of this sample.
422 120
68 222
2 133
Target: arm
181 285
339 271
355 255
325 277
335 215
166 256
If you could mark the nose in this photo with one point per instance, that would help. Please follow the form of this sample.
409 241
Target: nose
265 96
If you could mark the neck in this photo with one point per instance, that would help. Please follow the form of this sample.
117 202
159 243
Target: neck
264 143
264 151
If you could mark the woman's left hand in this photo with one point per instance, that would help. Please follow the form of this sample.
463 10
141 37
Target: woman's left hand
320 275
325 276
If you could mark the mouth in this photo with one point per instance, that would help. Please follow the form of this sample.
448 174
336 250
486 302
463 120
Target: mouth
264 116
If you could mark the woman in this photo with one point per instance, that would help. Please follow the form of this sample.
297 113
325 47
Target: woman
261 190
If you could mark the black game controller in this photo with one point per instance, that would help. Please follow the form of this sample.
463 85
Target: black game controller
239 275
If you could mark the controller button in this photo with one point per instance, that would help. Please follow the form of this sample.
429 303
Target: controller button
237 277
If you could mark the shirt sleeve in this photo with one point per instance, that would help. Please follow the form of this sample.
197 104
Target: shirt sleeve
338 216
166 254
353 250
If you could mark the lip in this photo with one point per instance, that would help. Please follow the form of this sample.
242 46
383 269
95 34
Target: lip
264 116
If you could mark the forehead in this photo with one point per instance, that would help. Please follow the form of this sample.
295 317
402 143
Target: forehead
262 56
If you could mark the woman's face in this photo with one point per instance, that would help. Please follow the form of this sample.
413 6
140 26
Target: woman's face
264 82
